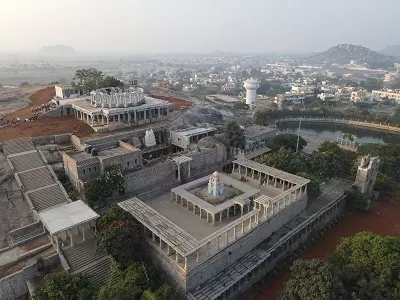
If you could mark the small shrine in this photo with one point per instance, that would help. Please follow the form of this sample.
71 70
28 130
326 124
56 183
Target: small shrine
149 138
215 184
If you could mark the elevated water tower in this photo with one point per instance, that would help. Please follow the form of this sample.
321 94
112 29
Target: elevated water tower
251 85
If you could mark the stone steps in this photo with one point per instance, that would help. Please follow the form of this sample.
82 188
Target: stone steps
82 255
98 271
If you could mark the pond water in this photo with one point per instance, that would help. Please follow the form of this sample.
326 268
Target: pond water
332 131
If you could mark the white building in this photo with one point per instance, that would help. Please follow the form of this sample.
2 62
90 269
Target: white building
251 85
390 94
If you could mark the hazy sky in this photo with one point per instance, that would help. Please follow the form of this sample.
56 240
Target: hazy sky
141 26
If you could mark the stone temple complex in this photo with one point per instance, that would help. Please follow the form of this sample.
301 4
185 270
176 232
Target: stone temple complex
214 222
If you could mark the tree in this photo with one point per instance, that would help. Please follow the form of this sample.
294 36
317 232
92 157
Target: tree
313 279
370 265
314 187
65 287
119 235
331 161
357 200
88 79
103 187
385 185
164 292
128 284
235 134
288 141
110 81
285 159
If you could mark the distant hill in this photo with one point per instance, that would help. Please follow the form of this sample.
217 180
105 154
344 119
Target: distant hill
343 53
393 50
57 50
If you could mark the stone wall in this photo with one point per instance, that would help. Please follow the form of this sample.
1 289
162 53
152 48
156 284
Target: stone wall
246 243
77 142
157 175
52 139
14 285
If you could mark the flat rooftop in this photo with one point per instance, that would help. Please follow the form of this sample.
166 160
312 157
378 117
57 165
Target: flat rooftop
82 155
84 103
194 131
66 216
17 146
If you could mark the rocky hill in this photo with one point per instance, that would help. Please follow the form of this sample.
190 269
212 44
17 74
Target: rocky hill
57 50
393 50
343 53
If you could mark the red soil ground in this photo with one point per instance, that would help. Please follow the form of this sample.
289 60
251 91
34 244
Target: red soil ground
179 103
46 126
383 219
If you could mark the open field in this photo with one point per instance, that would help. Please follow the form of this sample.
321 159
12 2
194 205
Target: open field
383 219
179 104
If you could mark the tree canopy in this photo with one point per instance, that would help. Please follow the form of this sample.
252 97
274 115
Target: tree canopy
285 159
313 279
92 79
119 235
137 282
288 141
103 187
365 266
62 286
235 134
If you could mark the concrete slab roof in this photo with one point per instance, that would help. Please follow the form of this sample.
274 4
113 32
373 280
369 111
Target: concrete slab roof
181 159
36 178
24 162
256 130
178 238
194 131
67 216
17 146
47 197
271 171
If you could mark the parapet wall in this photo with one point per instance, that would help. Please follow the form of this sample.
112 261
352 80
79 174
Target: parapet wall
14 285
52 139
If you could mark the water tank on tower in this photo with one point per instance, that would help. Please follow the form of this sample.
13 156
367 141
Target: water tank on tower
251 85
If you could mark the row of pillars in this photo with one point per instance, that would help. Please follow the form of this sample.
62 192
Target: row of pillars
126 116
267 177
71 236
209 215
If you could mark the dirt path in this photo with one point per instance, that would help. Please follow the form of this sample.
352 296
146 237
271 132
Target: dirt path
48 126
383 219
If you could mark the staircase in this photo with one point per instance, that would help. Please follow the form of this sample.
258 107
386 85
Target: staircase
84 259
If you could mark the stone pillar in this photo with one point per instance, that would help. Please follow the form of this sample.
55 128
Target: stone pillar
83 234
108 120
153 237
185 263
267 179
213 219
187 204
168 250
71 237
189 169
275 179
283 185
176 257
200 212
259 178
179 172
220 216
241 209
194 208
252 173
58 243
234 233
160 243
197 256
226 237
242 227
182 201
